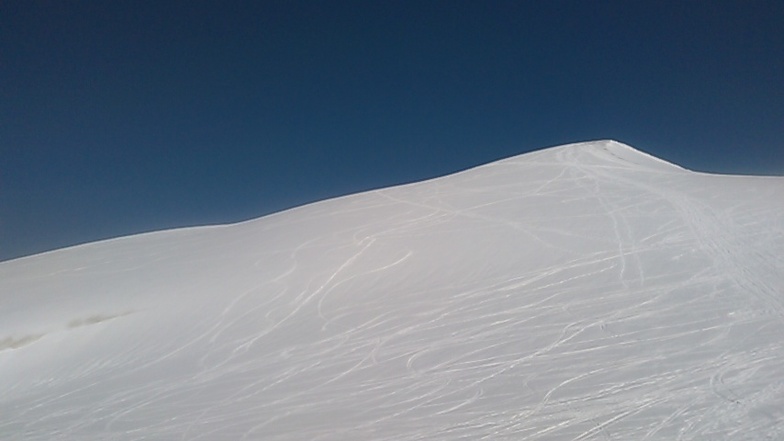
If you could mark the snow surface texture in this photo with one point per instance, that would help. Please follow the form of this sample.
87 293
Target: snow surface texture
584 292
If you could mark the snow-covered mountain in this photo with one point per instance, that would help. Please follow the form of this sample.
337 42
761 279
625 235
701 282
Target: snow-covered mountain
583 292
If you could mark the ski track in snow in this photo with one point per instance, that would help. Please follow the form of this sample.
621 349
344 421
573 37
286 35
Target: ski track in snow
585 292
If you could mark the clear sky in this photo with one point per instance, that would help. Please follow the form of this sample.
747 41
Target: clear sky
118 117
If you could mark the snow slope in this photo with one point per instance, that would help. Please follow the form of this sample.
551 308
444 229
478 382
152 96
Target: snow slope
583 292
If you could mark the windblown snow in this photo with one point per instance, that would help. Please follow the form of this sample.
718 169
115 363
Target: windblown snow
583 292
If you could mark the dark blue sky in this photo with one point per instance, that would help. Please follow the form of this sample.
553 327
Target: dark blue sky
118 117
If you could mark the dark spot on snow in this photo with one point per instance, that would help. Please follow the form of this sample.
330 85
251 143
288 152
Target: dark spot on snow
18 342
93 319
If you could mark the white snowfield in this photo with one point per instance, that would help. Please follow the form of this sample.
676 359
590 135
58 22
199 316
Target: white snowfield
583 292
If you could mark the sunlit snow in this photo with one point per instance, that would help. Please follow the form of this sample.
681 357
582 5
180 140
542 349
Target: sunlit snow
583 292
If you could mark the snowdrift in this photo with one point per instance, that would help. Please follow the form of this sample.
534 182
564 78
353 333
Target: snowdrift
583 292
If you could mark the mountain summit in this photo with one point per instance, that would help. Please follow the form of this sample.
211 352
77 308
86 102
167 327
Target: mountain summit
589 291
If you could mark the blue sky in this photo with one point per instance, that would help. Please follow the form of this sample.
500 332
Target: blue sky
128 116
